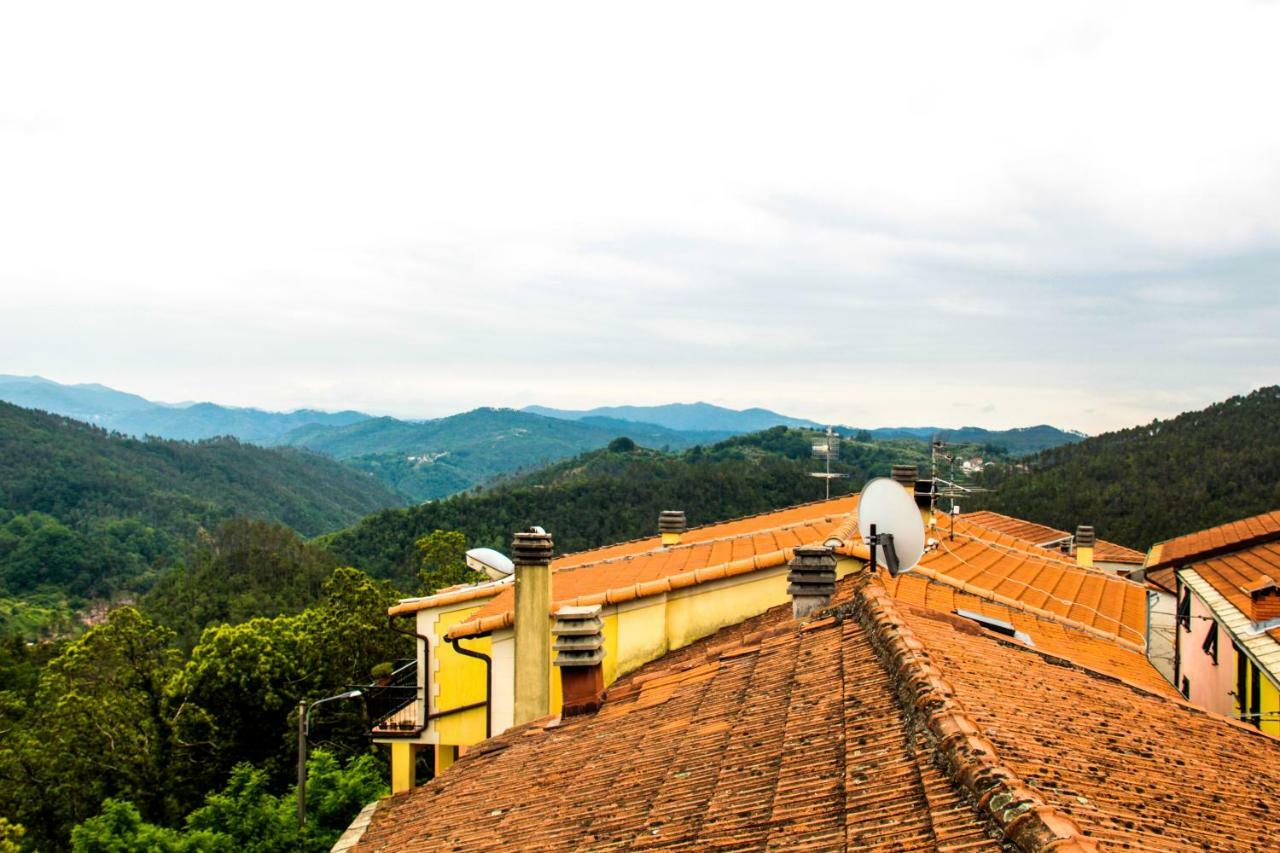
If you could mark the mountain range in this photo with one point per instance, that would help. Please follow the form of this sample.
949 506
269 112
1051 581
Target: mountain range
430 459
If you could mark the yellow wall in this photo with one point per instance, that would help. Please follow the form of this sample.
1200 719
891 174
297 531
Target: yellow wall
635 633
458 681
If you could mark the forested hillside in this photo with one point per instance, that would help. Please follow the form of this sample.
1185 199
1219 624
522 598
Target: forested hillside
434 459
616 494
87 513
1148 483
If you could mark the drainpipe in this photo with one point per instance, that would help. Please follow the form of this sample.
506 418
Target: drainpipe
488 681
426 659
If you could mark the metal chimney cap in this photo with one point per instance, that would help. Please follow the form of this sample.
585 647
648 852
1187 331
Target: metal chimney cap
671 521
905 474
532 547
1085 537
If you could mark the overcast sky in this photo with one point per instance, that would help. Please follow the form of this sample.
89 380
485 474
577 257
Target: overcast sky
874 215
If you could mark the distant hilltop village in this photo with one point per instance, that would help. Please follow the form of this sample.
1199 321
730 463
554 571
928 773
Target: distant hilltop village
758 683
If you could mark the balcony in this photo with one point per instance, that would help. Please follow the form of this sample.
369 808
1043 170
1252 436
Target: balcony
394 709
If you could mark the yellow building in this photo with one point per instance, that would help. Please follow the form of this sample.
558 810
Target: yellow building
656 595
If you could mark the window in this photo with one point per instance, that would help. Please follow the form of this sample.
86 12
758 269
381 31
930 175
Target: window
1186 687
1184 609
1210 646
998 625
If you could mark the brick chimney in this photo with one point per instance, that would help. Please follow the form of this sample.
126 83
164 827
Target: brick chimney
1264 598
531 552
671 525
1084 545
812 579
579 648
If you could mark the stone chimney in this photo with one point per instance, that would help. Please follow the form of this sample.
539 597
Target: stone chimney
579 648
531 552
812 579
671 525
1084 545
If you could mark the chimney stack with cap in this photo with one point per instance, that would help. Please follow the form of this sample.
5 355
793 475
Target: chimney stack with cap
671 525
921 491
812 579
1084 545
579 648
531 552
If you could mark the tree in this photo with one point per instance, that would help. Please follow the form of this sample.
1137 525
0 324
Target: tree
245 815
622 444
442 561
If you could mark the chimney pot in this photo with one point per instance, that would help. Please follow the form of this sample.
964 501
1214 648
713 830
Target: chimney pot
671 525
812 579
905 475
532 547
1084 542
579 647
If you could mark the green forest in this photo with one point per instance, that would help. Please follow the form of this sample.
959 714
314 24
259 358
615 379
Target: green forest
1142 485
88 514
616 493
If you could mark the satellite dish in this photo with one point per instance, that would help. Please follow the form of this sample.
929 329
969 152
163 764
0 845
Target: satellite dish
493 563
890 523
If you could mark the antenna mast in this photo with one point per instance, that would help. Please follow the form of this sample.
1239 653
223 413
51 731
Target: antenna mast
825 448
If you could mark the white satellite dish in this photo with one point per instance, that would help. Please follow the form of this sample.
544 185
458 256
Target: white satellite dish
493 563
890 524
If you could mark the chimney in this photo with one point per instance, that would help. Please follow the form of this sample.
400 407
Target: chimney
531 553
921 491
1264 598
905 476
579 647
671 525
1084 545
812 579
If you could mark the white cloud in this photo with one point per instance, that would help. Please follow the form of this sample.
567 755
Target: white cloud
416 209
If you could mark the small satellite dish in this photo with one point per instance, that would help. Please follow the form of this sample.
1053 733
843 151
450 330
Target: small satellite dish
493 563
890 523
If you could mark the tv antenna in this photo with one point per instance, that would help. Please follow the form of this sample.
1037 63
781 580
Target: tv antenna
938 450
827 447
889 522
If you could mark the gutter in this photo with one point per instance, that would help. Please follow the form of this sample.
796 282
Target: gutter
488 683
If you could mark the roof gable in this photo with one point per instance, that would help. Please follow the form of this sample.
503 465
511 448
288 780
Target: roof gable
1223 539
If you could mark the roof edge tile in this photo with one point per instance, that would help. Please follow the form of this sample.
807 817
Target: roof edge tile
968 755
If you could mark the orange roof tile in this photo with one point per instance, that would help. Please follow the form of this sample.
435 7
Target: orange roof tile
704 554
1237 574
1048 634
1042 534
1002 568
878 725
1222 539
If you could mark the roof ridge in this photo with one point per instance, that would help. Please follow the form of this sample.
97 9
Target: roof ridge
968 755
666 549
1156 558
711 524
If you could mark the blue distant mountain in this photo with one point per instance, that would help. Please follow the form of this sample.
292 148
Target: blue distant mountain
700 417
133 415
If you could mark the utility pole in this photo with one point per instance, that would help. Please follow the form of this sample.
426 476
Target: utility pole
302 763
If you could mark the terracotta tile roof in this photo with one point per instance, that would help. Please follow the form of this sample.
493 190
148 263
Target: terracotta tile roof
704 554
878 726
1216 540
1041 534
1048 634
1001 568
1234 575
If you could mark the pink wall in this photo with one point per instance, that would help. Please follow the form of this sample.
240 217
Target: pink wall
1212 685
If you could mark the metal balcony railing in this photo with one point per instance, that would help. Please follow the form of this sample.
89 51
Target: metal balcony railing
393 702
